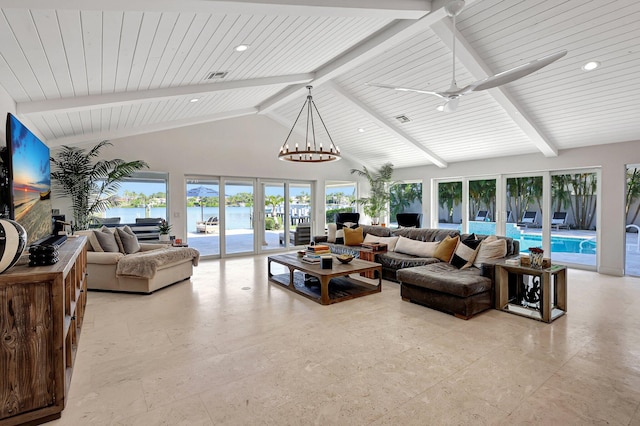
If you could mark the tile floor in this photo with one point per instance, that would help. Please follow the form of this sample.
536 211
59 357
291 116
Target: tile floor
229 348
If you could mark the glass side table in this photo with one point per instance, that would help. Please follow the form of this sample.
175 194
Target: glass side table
539 294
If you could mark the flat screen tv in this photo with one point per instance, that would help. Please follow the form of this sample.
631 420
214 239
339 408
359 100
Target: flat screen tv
30 180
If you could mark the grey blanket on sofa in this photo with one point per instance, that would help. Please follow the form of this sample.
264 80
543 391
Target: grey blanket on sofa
145 264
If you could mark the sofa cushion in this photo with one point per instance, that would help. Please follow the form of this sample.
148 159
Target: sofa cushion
445 249
466 252
446 278
389 241
380 231
393 260
426 234
491 248
416 248
107 241
353 237
129 240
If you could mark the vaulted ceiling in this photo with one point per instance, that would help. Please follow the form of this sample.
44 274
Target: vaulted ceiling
82 71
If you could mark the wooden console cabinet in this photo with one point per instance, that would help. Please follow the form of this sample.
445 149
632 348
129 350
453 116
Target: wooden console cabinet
41 312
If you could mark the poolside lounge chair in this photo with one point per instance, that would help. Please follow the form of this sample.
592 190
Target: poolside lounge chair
559 220
208 226
482 215
530 219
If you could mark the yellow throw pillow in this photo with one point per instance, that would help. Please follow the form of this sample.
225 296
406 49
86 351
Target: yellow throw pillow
353 237
446 248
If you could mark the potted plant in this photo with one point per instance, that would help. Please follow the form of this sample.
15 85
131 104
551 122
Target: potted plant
91 186
375 205
164 228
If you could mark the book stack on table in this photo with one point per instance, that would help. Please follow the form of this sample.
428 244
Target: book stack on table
314 253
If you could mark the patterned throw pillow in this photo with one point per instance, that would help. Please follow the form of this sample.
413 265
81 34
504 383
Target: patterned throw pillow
466 252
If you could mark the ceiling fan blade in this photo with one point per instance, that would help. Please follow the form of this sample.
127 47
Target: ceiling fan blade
406 89
516 73
452 105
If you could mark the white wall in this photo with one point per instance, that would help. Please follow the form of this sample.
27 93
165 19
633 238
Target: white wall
611 159
239 147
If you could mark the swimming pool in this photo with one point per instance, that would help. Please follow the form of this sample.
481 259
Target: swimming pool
579 245
559 243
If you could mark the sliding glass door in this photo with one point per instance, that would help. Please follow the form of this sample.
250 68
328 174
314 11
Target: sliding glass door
238 216
203 215
574 200
450 205
273 231
632 224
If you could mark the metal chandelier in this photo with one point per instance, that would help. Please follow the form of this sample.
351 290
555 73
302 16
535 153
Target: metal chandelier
311 152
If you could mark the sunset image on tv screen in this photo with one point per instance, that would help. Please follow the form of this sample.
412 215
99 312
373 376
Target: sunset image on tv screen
31 181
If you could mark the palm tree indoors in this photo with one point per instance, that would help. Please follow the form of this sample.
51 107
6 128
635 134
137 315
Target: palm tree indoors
90 186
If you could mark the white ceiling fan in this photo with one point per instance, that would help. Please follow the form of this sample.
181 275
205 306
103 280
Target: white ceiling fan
453 94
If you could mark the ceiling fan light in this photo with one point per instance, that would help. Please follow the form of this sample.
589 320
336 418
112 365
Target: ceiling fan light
590 66
440 108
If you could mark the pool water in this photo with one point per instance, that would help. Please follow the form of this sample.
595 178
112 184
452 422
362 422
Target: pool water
559 244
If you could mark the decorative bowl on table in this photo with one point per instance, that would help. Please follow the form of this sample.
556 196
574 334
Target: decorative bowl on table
345 258
301 253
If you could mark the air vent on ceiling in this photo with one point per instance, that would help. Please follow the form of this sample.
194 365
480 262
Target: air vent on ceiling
216 74
403 119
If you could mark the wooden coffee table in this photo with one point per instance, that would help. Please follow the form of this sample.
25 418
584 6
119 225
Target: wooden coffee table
325 286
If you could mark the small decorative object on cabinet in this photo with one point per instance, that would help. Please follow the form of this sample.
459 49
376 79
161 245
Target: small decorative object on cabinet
41 312
536 254
13 240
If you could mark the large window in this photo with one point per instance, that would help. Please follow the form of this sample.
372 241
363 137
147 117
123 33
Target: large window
482 206
450 203
339 197
405 198
632 210
574 199
143 195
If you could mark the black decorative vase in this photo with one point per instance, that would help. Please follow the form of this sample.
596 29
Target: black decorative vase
13 240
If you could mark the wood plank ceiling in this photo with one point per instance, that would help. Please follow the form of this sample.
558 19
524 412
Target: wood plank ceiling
85 71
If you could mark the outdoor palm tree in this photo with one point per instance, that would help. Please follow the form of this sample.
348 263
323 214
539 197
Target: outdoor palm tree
402 195
274 201
449 196
90 186
633 193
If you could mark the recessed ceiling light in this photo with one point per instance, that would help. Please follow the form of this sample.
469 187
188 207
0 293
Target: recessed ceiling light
242 47
194 100
590 66
361 130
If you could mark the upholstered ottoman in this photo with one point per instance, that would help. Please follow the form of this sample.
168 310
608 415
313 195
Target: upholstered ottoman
442 286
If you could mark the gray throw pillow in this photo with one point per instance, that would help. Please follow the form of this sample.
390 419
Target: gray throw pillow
129 240
107 241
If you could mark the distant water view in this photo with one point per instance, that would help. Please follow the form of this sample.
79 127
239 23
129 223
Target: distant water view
236 217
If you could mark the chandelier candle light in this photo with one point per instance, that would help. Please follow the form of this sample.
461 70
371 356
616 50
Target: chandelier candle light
311 152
